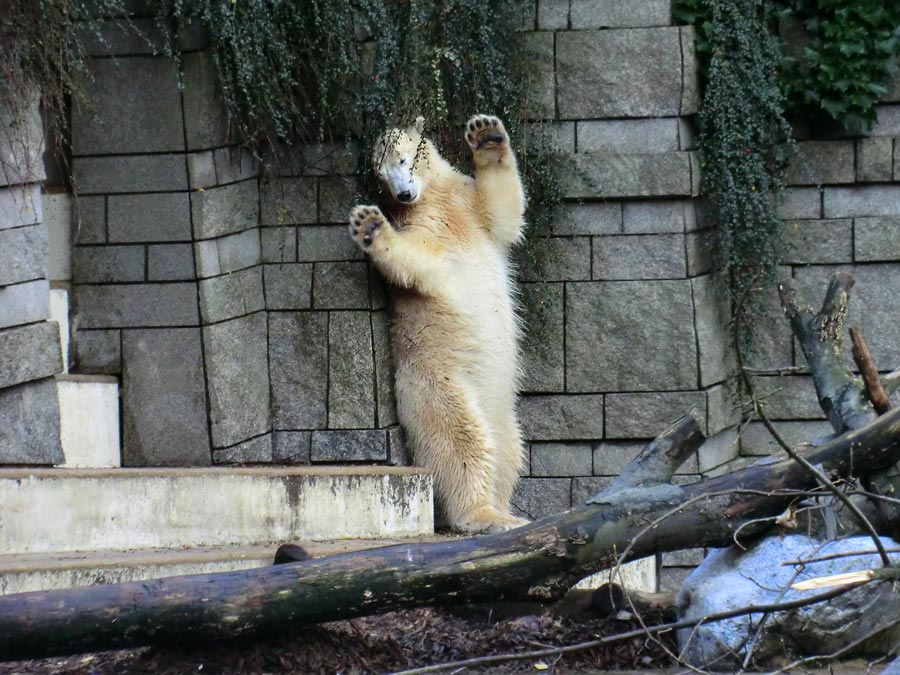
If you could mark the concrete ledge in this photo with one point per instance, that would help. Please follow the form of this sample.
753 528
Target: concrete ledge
55 510
39 572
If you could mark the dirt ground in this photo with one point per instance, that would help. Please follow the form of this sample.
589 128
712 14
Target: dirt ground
387 643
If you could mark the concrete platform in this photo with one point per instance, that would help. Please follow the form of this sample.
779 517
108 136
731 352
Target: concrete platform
62 510
27 572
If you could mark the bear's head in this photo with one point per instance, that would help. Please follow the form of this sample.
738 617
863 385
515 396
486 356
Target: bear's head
398 157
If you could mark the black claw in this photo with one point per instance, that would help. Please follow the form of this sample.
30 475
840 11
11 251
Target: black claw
367 240
471 126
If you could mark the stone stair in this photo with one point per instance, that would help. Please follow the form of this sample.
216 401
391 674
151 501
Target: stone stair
64 527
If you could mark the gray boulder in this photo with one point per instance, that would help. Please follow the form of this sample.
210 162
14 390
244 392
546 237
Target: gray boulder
733 578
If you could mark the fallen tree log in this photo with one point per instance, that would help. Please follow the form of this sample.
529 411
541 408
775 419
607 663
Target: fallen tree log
540 561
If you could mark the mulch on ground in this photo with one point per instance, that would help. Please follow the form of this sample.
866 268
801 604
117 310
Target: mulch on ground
386 643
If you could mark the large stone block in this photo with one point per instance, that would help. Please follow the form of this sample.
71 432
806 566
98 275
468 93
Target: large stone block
665 174
289 201
143 218
541 102
874 159
788 397
535 498
130 173
298 369
630 336
341 285
557 259
869 200
231 295
589 218
238 376
225 210
136 107
618 14
259 450
89 220
29 353
98 352
23 254
800 203
561 459
24 303
712 324
105 264
291 447
205 117
876 239
163 398
553 14
659 216
757 440
819 241
821 163
888 122
337 195
137 305
202 169
124 37
351 370
234 163
357 445
29 424
58 209
323 243
385 401
658 256
583 488
228 254
170 262
543 358
629 136
288 286
611 457
22 140
562 417
619 73
20 205
278 244
646 415
717 451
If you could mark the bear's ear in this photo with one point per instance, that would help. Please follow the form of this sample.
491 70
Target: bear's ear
420 124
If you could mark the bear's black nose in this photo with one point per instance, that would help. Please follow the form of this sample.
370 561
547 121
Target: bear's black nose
404 196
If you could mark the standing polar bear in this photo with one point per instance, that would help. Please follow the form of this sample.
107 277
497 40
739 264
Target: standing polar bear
454 331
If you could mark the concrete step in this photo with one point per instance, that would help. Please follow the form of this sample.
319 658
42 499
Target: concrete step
59 510
89 420
27 572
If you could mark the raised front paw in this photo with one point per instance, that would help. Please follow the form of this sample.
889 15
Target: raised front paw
486 133
365 224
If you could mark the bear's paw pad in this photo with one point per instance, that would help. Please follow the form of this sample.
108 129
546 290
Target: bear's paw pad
484 132
365 223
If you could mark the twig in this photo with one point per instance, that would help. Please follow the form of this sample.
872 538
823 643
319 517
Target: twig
639 632
863 358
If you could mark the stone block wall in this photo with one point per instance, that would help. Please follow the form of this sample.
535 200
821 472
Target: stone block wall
842 213
166 261
29 343
624 329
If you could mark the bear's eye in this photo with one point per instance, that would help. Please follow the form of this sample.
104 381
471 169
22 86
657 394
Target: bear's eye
403 161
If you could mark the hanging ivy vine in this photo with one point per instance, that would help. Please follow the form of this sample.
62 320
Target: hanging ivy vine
835 67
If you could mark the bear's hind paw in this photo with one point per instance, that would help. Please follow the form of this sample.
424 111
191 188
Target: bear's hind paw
365 224
485 132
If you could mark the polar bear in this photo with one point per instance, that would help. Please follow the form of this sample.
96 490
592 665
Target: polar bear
454 329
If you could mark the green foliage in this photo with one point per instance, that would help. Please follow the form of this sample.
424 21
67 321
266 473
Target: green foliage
303 71
743 140
42 49
849 54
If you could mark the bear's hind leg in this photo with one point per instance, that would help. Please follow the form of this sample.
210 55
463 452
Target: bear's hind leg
447 436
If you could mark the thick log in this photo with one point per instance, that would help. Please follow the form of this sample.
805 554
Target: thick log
538 562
